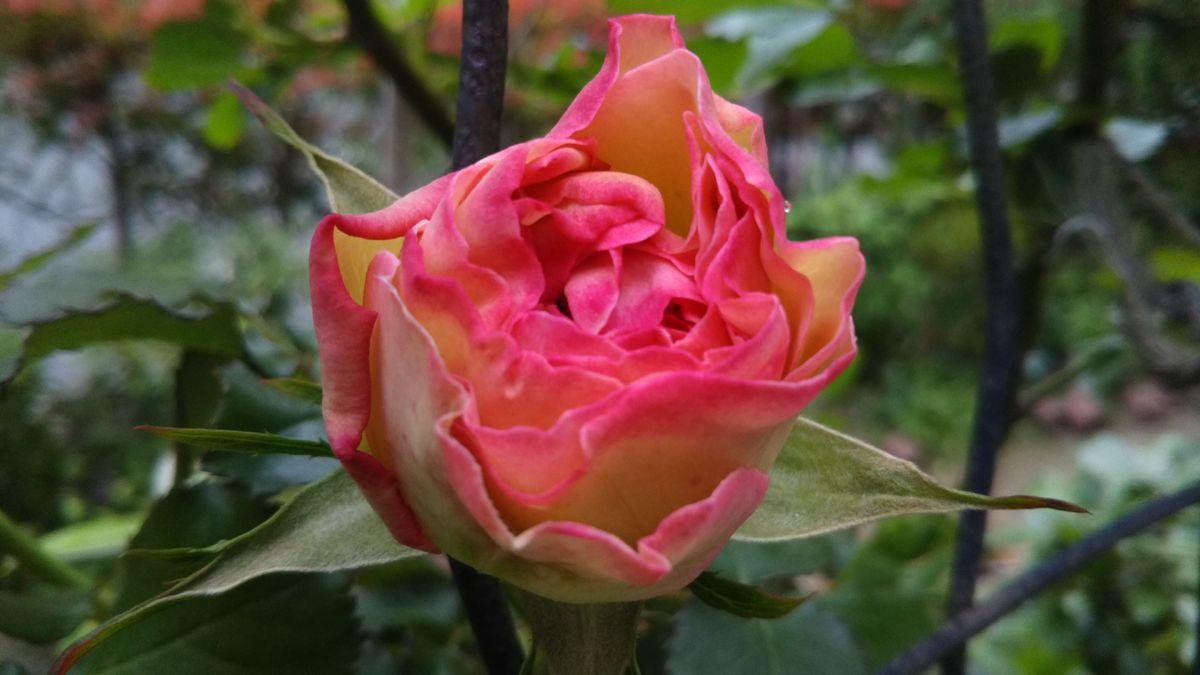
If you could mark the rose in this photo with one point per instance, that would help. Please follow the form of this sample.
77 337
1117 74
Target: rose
572 364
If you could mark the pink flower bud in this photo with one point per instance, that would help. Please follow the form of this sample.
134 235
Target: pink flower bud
573 363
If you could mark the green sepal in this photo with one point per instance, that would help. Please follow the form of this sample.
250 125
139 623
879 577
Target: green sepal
744 600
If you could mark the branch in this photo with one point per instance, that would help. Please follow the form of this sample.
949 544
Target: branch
1161 203
995 397
369 34
955 632
1174 360
476 134
18 543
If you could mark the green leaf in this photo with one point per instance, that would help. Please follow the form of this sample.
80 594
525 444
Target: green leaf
225 122
833 49
186 54
11 340
824 480
835 88
1175 264
242 441
130 318
276 625
348 188
738 599
684 12
42 616
195 515
44 256
722 60
102 537
268 474
754 562
901 571
304 390
328 526
251 405
1042 32
935 82
199 387
773 34
810 640
407 593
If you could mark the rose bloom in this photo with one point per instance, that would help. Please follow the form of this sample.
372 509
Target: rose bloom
572 364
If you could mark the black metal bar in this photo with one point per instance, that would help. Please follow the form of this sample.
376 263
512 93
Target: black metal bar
490 618
994 400
477 134
481 80
957 630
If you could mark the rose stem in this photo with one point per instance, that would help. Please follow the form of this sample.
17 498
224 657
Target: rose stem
23 546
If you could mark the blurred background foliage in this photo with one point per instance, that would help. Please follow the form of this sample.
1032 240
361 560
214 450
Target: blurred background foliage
152 271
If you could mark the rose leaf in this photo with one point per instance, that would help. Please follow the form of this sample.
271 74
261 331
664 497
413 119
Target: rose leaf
348 188
326 527
824 480
255 442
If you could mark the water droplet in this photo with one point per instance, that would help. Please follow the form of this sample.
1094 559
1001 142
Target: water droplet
787 206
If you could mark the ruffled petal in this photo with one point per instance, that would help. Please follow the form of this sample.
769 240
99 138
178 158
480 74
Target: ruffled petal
834 268
646 450
415 401
572 562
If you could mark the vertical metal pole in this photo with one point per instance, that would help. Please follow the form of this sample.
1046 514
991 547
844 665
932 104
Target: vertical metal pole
477 134
481 80
994 399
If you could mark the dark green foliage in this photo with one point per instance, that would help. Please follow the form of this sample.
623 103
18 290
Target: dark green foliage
191 516
739 599
281 624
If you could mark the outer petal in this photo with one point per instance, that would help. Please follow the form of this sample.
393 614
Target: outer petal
646 450
414 403
576 563
344 335
342 249
834 268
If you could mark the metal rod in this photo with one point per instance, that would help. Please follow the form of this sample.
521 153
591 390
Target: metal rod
995 396
477 134
960 628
